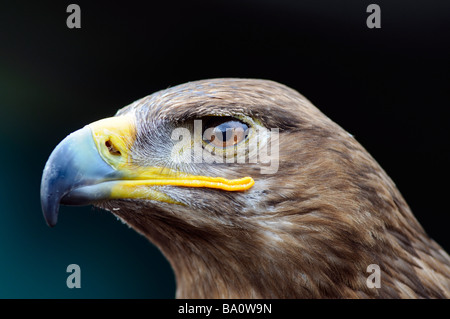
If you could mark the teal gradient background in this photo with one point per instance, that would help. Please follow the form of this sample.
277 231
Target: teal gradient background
388 87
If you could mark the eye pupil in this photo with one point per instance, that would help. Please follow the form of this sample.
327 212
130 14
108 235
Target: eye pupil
225 133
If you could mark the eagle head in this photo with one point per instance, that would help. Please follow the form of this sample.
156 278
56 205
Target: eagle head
250 192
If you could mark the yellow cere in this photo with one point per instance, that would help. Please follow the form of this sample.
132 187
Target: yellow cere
113 137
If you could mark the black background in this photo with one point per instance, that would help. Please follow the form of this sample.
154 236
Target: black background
388 87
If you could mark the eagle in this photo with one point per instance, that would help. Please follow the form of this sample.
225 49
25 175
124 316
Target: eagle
249 191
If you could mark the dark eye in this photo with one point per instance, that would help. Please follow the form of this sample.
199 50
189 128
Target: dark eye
224 131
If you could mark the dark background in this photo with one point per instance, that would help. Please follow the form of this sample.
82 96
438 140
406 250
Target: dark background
389 87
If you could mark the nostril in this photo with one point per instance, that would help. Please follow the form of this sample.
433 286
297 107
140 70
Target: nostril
112 149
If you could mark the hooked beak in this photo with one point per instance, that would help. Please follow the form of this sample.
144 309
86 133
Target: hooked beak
94 164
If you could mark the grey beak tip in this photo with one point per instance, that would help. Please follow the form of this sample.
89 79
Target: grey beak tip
51 218
51 223
50 208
